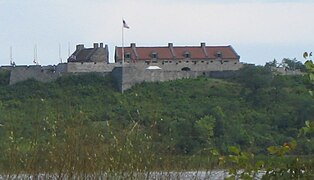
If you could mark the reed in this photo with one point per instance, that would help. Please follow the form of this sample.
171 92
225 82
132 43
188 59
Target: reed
74 147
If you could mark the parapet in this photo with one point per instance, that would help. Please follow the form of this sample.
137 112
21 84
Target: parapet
37 72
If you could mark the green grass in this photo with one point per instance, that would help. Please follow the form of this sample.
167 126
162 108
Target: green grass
80 125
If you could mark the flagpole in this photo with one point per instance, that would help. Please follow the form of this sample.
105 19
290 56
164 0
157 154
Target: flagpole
60 58
11 57
34 61
122 45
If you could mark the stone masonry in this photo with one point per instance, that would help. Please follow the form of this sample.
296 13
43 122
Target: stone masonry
150 64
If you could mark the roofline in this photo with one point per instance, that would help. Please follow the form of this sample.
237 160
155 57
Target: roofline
187 59
176 47
234 51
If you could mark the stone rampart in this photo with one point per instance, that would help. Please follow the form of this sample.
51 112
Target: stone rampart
39 73
117 76
285 71
193 66
9 68
81 67
131 74
127 76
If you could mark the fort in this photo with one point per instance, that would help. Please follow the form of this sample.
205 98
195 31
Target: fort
139 64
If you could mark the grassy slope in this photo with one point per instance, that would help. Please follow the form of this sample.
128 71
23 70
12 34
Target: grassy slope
270 116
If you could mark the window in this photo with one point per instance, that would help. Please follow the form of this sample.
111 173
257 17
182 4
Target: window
127 56
154 55
187 55
219 54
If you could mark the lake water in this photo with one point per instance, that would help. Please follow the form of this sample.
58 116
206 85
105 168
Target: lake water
195 175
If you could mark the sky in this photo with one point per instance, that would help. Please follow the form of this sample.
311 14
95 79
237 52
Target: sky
259 30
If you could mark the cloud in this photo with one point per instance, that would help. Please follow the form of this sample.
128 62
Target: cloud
185 22
246 22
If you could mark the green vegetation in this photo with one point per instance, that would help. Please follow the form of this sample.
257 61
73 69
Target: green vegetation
288 64
81 124
4 77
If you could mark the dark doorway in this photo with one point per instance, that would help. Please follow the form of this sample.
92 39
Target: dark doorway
186 69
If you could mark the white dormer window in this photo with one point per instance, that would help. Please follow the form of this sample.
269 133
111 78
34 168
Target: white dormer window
187 55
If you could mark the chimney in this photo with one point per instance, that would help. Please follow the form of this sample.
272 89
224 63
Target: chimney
133 47
79 46
101 45
170 45
203 46
95 45
107 53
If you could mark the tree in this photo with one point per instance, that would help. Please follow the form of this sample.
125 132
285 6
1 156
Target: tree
255 77
309 128
310 68
205 126
293 64
271 64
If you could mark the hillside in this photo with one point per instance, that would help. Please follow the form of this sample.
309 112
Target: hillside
254 110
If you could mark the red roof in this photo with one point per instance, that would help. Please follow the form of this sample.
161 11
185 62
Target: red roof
177 52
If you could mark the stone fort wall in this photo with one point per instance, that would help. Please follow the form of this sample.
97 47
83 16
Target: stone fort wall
131 74
127 76
83 67
193 66
39 73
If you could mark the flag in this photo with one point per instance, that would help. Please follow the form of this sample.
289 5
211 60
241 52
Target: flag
125 25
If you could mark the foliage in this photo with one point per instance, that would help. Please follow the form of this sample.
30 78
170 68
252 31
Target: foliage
205 127
287 63
310 67
293 64
242 160
85 115
255 77
4 77
295 169
273 63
